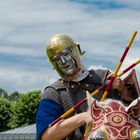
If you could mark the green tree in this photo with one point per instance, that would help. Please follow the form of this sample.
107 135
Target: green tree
5 113
25 109
14 96
3 93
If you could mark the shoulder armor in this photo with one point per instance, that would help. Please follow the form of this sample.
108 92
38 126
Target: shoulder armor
59 84
99 76
51 94
59 92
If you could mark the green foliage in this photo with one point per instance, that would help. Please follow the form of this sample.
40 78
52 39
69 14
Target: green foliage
25 109
5 113
3 93
18 109
14 96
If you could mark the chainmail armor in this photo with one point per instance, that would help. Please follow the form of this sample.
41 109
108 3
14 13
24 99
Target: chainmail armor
62 93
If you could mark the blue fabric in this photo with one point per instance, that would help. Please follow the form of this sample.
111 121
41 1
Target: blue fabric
48 111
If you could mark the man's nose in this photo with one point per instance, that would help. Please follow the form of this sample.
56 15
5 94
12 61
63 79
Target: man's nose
63 59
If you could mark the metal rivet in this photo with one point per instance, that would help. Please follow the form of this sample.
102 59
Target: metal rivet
90 75
72 86
87 85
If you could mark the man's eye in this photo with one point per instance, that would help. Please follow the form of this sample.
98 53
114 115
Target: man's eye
66 54
57 59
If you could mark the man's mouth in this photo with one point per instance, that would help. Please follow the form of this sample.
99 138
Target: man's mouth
67 66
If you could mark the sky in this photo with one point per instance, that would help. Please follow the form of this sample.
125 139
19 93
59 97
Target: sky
103 29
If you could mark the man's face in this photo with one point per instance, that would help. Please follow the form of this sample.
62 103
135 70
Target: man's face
65 63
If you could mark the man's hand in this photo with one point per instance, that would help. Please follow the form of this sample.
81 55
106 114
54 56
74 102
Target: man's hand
119 85
88 118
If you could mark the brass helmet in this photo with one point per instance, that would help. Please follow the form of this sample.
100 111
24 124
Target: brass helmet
59 43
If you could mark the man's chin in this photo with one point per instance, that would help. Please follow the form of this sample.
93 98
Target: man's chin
71 74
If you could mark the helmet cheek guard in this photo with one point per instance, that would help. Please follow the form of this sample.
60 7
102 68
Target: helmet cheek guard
76 55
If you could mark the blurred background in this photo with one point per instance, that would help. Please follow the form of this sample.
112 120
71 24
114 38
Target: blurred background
103 29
